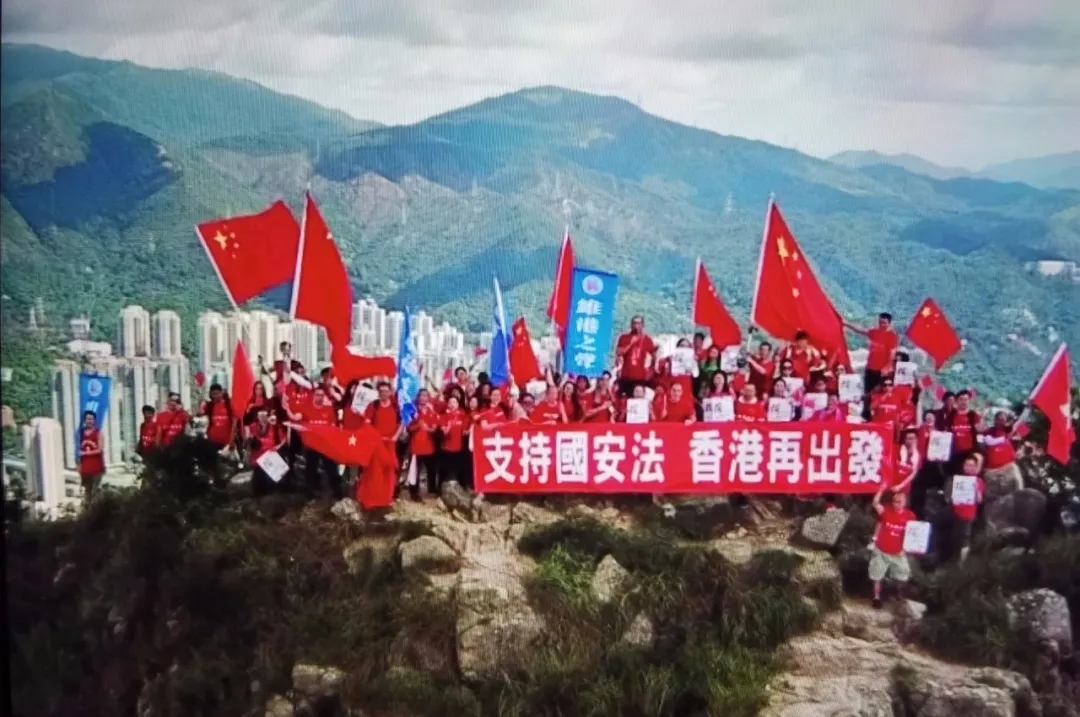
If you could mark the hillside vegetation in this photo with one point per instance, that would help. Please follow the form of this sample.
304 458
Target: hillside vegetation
107 166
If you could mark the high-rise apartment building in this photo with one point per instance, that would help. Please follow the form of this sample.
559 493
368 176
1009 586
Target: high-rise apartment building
212 353
43 446
133 336
166 334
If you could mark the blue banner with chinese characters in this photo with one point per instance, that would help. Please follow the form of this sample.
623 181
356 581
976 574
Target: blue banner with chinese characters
592 318
94 393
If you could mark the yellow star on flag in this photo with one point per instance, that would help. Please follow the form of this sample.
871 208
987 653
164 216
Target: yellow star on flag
795 256
781 248
795 292
220 239
926 311
352 440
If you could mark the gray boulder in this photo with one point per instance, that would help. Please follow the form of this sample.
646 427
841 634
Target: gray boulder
609 580
315 681
458 498
427 552
1018 513
824 530
1042 616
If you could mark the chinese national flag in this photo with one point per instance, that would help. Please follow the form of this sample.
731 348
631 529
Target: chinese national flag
1052 396
322 293
243 381
932 332
252 253
349 367
788 296
524 366
558 308
362 447
707 310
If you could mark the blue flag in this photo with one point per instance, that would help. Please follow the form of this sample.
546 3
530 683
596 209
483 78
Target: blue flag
592 313
499 355
408 375
94 398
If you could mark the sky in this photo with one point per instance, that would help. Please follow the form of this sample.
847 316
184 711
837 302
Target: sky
960 82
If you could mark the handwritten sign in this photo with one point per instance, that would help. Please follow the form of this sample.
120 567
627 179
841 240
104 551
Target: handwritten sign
812 403
905 373
362 397
851 387
637 410
718 410
729 359
780 410
964 489
917 537
683 362
273 465
939 447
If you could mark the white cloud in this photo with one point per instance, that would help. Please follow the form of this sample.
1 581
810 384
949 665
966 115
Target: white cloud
962 82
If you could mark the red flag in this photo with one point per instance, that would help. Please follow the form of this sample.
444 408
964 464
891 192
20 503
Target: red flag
479 351
1053 396
243 381
707 310
200 379
322 293
932 332
349 367
252 253
558 308
524 366
362 447
788 297
926 381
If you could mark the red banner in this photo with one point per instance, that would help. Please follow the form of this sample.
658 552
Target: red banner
734 457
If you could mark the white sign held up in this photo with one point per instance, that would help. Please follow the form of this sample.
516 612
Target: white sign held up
905 373
637 410
718 410
729 359
851 387
273 465
780 409
683 362
939 447
917 538
964 490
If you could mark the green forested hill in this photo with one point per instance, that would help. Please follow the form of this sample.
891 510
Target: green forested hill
107 166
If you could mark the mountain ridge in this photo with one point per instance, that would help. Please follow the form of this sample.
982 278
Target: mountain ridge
643 197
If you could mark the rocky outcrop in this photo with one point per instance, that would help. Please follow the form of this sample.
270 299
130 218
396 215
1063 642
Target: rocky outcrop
459 499
1017 515
529 514
427 553
641 632
371 550
496 627
348 510
824 530
1042 616
609 580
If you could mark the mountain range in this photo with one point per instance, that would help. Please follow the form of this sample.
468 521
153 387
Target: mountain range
1055 171
106 167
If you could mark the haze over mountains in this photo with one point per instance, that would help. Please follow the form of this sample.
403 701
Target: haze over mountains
106 167
1055 171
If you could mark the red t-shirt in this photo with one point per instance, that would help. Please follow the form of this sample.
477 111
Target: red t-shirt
999 448
220 424
384 419
762 379
907 465
172 424
962 426
324 415
546 414
494 416
886 409
571 409
967 513
91 459
422 431
883 343
749 410
593 400
264 441
802 360
633 361
147 434
680 412
832 415
889 534
453 424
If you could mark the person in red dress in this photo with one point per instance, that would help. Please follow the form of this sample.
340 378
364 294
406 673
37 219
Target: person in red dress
264 435
172 422
883 344
453 423
148 432
887 557
91 456
635 356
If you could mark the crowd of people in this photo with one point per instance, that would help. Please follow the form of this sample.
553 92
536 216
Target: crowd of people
794 382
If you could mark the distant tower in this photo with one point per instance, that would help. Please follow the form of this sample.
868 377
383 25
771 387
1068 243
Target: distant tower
729 204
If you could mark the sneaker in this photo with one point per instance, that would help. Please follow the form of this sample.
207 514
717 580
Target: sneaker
877 603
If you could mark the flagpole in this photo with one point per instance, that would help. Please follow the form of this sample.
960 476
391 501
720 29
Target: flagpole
761 264
299 257
553 327
694 291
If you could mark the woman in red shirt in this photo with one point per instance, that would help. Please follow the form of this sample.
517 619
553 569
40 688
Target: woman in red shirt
265 435
598 406
148 432
762 368
1000 469
91 456
719 387
421 431
567 397
494 415
834 411
257 402
453 423
549 411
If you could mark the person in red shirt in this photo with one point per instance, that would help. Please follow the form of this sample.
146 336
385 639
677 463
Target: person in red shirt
748 407
171 422
964 425
719 386
964 513
148 433
635 356
323 476
884 404
91 456
549 411
680 406
453 423
568 399
700 351
883 344
786 373
762 368
421 431
514 409
598 406
804 358
834 411
887 560
257 402
1000 469
908 462
385 417
221 424
264 436
281 365
495 415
